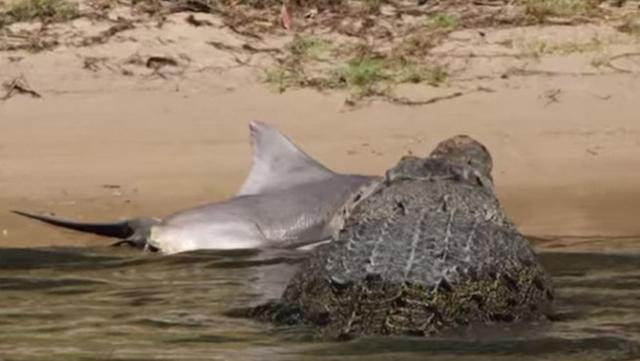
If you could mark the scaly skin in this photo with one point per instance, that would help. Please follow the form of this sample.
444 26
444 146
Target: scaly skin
429 248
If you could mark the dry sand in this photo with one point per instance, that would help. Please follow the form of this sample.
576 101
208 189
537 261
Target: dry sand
565 134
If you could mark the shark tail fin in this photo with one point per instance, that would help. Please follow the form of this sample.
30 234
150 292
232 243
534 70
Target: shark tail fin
131 231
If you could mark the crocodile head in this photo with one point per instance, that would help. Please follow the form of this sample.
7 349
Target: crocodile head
464 150
460 157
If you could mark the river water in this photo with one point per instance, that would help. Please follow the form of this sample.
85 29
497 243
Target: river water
115 304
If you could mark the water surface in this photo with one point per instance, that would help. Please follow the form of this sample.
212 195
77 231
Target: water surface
107 304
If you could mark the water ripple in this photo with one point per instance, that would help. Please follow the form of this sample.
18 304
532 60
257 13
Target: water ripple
107 304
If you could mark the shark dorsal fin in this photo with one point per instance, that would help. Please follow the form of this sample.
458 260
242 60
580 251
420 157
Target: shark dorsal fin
278 163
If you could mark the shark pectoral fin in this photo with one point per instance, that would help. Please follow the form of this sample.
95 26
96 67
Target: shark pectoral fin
278 163
133 231
141 234
312 245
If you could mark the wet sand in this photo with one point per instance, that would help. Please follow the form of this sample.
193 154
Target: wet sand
567 169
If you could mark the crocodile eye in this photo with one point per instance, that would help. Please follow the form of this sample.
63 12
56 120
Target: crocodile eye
373 277
338 284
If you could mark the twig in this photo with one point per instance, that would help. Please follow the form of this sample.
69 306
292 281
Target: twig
196 22
105 35
405 101
552 96
620 56
18 86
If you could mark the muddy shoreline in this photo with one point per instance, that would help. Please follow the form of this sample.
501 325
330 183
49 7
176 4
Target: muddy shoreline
113 134
105 157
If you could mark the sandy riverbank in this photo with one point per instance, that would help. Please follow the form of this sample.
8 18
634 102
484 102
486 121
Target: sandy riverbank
97 146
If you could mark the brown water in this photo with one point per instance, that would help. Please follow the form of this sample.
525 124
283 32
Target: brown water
105 304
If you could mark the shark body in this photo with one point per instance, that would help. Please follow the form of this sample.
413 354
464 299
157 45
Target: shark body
288 200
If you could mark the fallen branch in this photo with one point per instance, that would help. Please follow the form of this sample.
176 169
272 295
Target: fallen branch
105 35
18 86
405 101
621 56
196 22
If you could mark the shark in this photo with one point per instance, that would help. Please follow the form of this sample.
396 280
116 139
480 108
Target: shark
288 200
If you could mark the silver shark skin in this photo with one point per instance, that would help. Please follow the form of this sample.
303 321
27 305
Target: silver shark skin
288 200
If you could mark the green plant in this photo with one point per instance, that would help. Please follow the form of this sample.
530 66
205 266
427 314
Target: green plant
443 21
363 73
631 24
44 10
372 6
538 48
542 9
600 60
308 46
412 73
436 75
280 78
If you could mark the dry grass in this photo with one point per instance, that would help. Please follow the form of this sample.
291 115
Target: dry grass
631 24
539 48
541 10
356 68
443 21
42 10
50 10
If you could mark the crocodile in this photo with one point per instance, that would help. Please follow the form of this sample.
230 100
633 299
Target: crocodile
425 249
